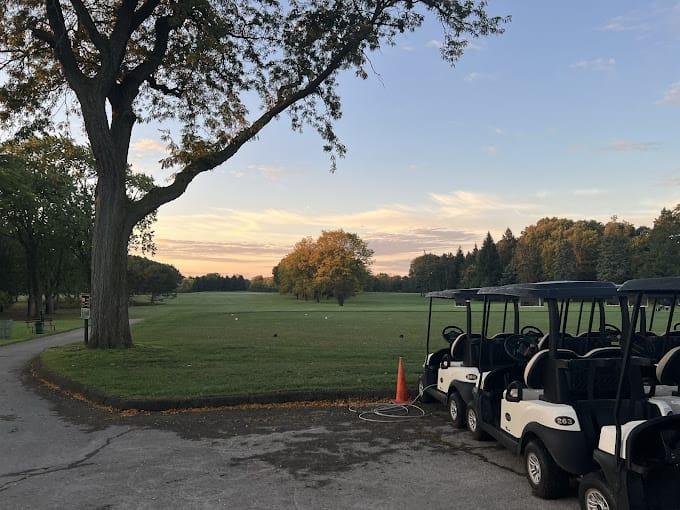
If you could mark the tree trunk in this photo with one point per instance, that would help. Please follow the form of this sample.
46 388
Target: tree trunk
109 295
35 291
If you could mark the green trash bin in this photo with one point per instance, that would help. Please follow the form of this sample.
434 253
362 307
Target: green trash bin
39 327
5 329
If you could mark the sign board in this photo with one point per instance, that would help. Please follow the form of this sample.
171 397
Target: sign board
85 314
85 301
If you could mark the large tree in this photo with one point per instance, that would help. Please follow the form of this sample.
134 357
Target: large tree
200 63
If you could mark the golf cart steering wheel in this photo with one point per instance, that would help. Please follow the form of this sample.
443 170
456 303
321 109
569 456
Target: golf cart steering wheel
531 331
611 330
641 347
521 348
675 327
450 333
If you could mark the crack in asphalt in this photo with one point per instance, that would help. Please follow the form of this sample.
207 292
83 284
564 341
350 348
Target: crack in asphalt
33 472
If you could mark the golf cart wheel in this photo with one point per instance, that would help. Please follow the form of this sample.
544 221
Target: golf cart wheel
472 421
457 410
424 397
594 494
547 479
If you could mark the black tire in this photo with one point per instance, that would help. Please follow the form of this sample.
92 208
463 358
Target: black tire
472 422
594 488
546 478
425 398
457 410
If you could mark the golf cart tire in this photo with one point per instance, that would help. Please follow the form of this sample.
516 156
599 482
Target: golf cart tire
550 481
461 417
595 482
425 397
476 430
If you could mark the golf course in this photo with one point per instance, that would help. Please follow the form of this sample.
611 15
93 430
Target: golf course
244 343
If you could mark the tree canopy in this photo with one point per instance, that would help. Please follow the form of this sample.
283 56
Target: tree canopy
221 70
335 265
559 249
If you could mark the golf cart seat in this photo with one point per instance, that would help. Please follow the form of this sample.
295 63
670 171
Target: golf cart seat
660 345
534 372
668 369
581 344
457 352
603 352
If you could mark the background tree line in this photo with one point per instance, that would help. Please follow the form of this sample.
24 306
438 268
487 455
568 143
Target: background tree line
214 282
558 249
47 201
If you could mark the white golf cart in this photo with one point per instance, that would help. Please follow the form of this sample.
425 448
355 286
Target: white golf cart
553 405
638 454
438 364
450 376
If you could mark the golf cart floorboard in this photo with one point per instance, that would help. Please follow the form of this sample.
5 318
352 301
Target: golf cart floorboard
438 395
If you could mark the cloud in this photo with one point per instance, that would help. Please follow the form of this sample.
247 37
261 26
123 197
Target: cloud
468 203
407 47
434 43
491 150
625 24
672 95
470 77
251 241
588 192
498 131
630 146
596 64
269 172
148 146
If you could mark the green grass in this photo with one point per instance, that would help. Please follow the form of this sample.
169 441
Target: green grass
223 344
63 320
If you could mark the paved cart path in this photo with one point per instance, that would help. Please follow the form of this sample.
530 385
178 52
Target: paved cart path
59 453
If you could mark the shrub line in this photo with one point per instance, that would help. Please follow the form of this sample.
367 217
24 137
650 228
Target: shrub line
69 386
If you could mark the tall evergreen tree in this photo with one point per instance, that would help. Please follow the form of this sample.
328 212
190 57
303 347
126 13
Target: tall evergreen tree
489 263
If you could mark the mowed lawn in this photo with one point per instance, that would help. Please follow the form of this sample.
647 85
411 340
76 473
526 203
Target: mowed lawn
63 320
207 344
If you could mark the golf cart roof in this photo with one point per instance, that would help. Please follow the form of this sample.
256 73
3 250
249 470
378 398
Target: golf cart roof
558 290
496 293
453 294
667 285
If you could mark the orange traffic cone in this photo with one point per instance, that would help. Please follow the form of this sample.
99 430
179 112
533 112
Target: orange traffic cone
402 396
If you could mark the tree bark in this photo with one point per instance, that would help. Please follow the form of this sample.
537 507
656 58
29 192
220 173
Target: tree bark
109 299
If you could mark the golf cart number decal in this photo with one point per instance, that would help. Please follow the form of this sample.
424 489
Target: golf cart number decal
471 377
564 420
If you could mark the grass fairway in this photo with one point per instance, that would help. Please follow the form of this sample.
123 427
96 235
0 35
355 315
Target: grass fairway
208 344
63 320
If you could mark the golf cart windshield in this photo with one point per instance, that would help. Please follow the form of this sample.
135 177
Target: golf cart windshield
459 297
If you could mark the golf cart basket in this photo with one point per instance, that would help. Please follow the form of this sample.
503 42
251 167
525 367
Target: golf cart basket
646 473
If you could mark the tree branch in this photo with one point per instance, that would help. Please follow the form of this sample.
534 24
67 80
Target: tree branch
160 195
62 45
84 17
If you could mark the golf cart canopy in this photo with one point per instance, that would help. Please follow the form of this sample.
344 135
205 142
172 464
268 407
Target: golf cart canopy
557 290
457 294
655 286
495 294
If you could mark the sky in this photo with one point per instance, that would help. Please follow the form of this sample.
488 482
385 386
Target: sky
573 112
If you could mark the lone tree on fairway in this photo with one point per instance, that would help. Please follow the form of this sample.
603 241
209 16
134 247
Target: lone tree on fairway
197 62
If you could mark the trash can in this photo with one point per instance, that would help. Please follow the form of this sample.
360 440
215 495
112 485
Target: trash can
5 329
39 327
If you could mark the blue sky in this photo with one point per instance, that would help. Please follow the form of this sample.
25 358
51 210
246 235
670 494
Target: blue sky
572 112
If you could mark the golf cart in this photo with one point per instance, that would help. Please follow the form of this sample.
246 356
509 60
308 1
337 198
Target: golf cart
451 356
552 403
452 381
638 453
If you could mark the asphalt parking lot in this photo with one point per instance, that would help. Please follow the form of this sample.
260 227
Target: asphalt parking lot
59 453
